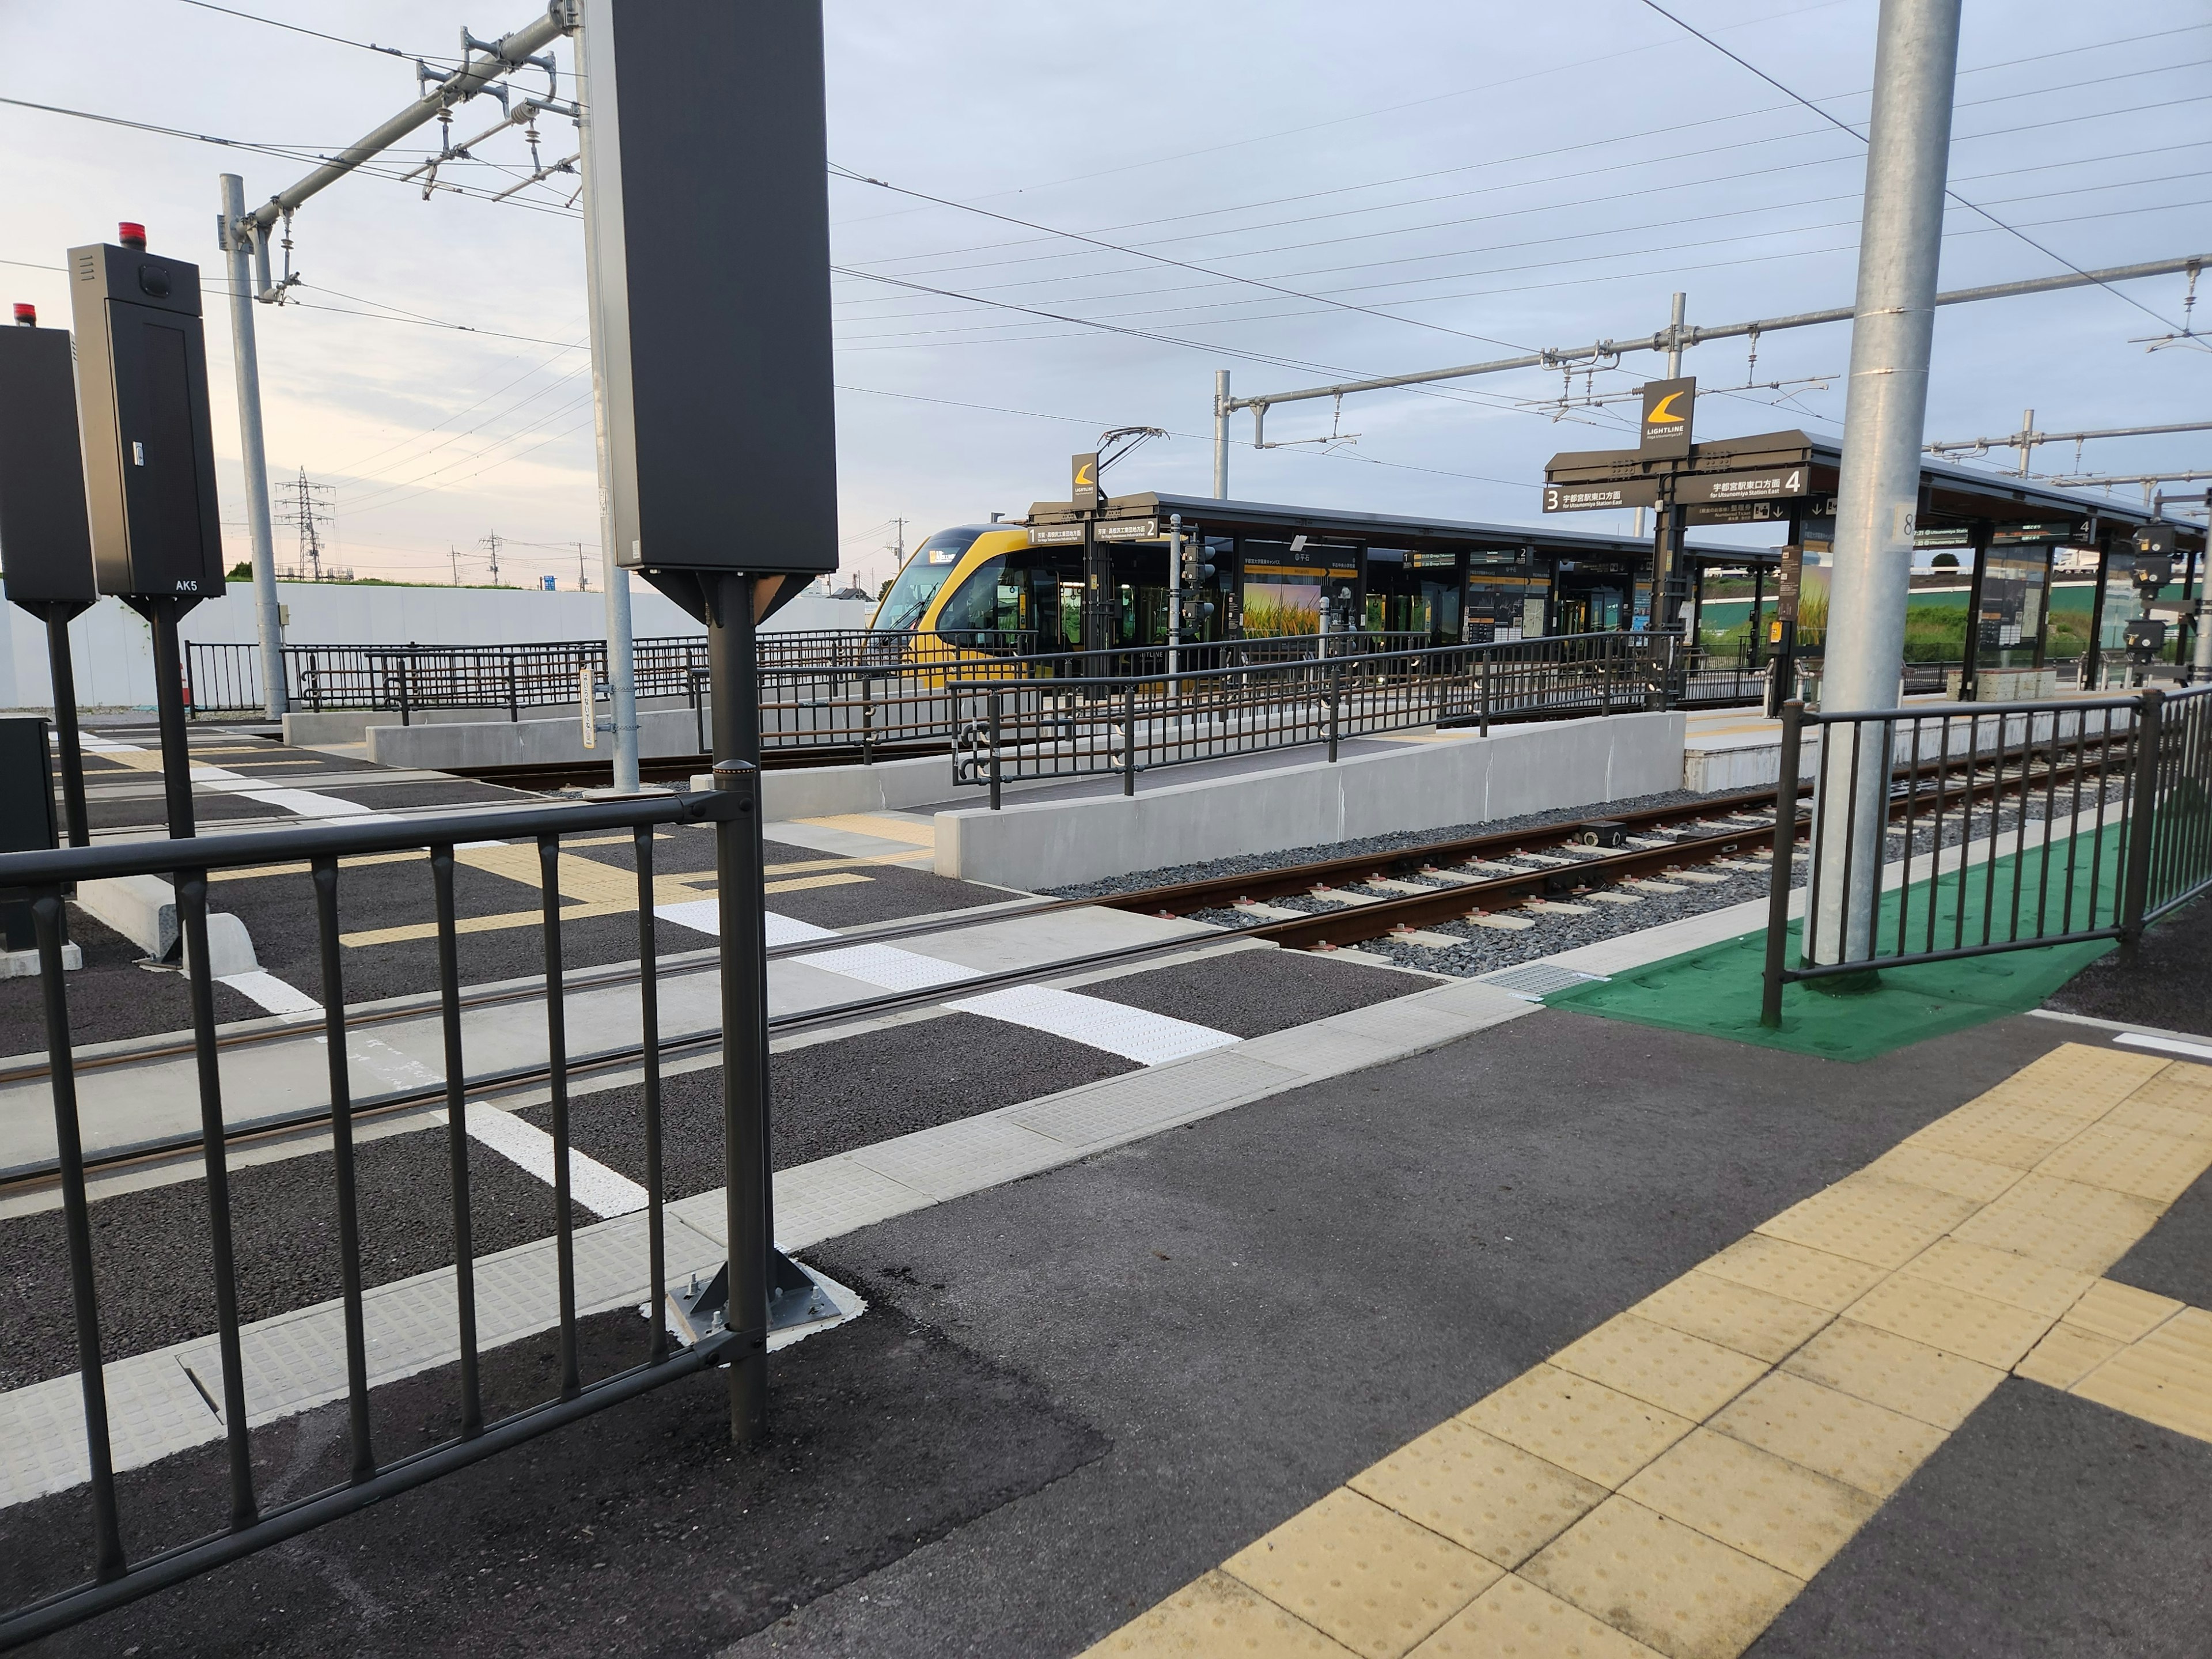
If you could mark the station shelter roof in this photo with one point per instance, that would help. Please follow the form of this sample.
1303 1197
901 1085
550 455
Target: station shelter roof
1950 495
1330 524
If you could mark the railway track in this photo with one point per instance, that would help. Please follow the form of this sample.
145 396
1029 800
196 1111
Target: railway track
1450 880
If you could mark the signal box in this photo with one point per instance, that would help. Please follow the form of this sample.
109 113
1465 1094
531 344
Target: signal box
142 398
44 546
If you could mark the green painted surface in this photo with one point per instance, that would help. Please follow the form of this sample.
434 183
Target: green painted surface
1716 990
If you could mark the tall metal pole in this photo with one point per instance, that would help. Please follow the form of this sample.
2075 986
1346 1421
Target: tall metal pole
732 660
62 671
237 243
622 662
1676 318
622 669
1900 240
1220 435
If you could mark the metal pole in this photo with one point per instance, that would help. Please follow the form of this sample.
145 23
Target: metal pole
732 662
1780 872
1220 435
269 617
2143 807
169 702
62 673
622 667
1674 320
1915 63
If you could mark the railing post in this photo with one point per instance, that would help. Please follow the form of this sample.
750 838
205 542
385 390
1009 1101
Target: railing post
2143 810
1129 739
1333 675
513 708
995 696
1779 876
1489 654
867 719
407 700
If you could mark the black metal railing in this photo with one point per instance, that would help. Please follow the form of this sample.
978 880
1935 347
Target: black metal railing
226 679
1129 722
1963 829
43 878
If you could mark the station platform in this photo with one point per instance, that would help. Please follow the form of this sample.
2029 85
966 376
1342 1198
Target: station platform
1422 1318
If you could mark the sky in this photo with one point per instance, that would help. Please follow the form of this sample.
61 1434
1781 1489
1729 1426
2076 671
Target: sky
1129 201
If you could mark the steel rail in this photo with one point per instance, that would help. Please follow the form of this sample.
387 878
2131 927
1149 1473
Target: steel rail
1371 919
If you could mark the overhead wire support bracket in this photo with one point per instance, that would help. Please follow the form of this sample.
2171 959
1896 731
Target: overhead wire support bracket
448 89
1672 338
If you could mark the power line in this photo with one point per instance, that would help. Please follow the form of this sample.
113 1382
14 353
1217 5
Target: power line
1952 194
1161 258
1595 143
338 40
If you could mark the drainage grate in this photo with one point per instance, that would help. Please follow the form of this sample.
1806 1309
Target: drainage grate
1537 980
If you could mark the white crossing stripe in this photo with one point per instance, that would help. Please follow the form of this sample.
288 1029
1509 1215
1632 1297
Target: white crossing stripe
1136 1033
602 1191
705 916
272 992
890 966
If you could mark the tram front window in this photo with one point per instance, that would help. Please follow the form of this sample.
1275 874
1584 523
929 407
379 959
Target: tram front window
907 602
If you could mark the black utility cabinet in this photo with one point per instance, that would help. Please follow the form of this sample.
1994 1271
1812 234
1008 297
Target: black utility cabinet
143 399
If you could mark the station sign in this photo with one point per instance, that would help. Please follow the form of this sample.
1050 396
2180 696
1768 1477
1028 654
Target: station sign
1668 406
1596 497
1774 484
1083 483
1713 512
1946 535
2064 532
1114 530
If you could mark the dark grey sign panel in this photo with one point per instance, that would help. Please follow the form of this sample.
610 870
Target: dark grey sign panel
1592 497
45 543
143 407
1083 493
1772 483
1667 408
706 229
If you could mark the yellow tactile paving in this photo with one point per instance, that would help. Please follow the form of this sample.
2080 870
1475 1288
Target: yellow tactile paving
2068 1222
1363 1575
2065 1356
2129 1160
2182 1122
1838 1435
1751 1321
1871 1218
1679 1472
2180 1087
1753 1500
1217 1617
2037 1286
2166 1379
1585 1427
1820 1278
1895 1372
2020 1135
1947 1172
1667 1584
1485 1495
2120 1312
1957 1322
1515 1619
1670 1369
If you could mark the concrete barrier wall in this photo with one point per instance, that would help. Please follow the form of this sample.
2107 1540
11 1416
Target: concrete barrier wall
540 742
1425 786
352 725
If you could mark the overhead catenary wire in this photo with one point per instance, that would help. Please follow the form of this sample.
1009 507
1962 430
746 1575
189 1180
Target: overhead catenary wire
2049 253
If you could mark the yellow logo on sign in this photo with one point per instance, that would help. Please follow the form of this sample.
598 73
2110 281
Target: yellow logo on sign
1083 476
1660 413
